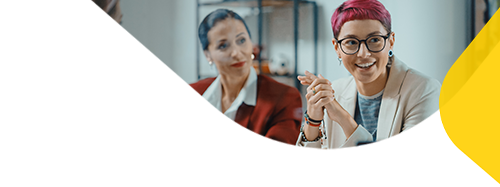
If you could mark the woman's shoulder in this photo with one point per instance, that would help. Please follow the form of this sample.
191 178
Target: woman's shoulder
203 82
202 85
415 80
406 80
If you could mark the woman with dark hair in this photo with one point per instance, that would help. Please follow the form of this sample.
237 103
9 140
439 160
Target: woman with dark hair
382 98
256 102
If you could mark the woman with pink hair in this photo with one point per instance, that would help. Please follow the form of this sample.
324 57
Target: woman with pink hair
382 98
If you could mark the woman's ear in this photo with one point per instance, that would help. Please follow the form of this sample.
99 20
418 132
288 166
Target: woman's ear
207 55
336 47
392 40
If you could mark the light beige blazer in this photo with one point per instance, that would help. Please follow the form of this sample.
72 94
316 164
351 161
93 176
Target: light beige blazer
409 97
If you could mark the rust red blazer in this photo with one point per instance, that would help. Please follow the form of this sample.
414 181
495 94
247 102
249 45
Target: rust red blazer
277 113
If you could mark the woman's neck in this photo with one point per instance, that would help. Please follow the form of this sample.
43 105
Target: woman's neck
231 87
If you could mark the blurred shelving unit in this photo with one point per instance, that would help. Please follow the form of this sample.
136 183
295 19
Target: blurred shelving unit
259 8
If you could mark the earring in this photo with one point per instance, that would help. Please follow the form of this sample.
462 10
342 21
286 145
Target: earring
340 61
210 62
389 62
253 56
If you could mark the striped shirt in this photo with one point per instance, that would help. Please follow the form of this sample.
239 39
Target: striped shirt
367 110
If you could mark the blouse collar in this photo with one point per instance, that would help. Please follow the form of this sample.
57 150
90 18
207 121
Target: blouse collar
247 95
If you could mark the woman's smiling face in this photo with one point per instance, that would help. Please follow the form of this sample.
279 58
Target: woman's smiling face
365 66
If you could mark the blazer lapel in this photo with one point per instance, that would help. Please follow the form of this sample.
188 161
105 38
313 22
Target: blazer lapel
387 113
390 100
347 99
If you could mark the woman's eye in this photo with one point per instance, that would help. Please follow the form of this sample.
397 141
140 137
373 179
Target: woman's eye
242 40
374 40
351 42
222 46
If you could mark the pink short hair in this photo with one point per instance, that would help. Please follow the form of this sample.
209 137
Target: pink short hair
359 10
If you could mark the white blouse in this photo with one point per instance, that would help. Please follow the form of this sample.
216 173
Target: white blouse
216 136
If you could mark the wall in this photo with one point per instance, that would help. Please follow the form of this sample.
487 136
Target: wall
430 35
157 63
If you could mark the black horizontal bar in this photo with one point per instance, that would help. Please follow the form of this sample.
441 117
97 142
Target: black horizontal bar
232 157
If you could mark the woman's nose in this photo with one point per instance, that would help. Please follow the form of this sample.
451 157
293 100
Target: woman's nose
363 51
236 51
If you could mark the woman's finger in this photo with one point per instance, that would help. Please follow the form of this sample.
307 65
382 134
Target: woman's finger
311 86
309 95
323 102
316 97
313 97
310 92
310 76
318 81
323 87
314 111
304 80
321 77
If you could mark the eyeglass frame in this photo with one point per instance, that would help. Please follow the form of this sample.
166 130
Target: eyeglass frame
339 42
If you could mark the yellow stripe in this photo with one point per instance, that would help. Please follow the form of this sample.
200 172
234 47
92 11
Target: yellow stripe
236 163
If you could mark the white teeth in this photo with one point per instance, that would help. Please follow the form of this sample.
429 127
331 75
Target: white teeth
365 65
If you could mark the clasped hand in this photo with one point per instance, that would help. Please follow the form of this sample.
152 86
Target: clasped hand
320 96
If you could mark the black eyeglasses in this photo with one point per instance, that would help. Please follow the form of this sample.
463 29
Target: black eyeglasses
374 44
